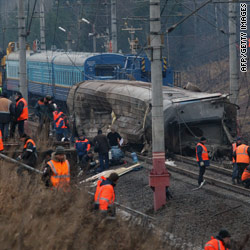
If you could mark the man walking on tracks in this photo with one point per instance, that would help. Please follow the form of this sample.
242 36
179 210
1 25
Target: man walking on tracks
235 175
57 171
220 242
242 154
202 159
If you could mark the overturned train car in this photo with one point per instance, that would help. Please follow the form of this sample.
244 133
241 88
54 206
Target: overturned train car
127 105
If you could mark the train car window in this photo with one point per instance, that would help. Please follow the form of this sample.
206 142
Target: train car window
105 70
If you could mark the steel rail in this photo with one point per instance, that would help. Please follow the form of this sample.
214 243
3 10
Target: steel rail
210 180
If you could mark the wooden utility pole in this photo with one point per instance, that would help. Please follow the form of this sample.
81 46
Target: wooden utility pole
22 50
42 26
113 26
159 176
233 67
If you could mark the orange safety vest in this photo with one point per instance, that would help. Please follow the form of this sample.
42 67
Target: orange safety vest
61 173
105 197
25 114
40 102
234 149
58 122
204 154
1 141
56 115
215 244
245 174
102 178
242 155
29 140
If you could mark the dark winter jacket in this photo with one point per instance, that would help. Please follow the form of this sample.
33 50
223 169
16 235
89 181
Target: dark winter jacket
103 143
29 154
44 110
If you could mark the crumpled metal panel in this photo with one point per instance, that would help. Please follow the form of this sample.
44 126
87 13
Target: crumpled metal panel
187 115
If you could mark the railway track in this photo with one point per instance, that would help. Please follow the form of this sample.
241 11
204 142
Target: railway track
215 175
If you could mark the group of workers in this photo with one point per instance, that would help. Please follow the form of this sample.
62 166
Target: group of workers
240 160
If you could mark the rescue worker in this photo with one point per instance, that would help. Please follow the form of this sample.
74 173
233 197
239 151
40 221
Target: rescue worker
7 109
246 177
57 171
29 154
61 128
202 159
242 154
82 146
235 174
21 114
87 163
220 242
105 195
44 109
100 180
56 116
102 147
1 142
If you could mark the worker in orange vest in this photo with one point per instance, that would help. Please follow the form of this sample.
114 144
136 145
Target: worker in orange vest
246 177
220 242
29 154
21 114
105 195
235 174
57 171
1 142
242 155
202 159
98 184
61 128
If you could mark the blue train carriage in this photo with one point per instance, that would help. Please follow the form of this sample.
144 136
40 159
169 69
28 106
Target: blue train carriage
53 73
12 71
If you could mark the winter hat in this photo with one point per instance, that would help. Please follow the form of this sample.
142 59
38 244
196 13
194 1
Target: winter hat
60 150
224 233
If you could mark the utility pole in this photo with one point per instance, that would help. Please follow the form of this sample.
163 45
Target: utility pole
114 26
233 67
22 50
94 38
42 26
159 176
69 41
132 41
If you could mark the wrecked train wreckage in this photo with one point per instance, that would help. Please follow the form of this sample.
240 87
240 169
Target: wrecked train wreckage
127 105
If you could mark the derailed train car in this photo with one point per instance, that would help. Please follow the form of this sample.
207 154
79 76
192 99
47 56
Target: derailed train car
127 105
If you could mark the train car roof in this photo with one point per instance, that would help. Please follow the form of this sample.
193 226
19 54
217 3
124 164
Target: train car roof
142 90
14 56
73 58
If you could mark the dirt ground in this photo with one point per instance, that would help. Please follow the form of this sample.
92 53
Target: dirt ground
192 216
